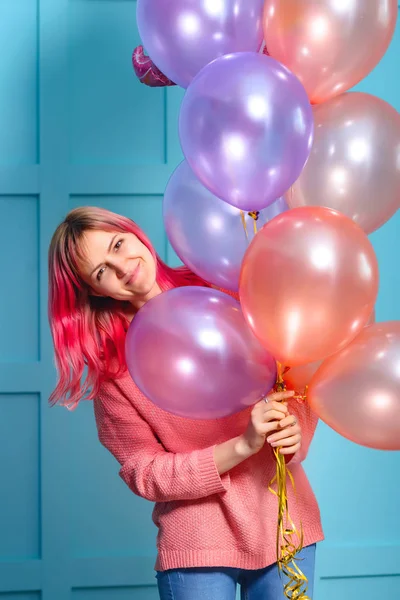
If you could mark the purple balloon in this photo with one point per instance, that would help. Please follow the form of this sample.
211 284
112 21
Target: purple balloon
206 233
190 351
246 129
182 36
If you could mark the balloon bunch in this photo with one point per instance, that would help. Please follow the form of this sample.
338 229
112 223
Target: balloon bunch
353 168
285 174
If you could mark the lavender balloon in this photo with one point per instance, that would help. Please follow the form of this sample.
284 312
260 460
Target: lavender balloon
182 36
246 129
190 351
206 233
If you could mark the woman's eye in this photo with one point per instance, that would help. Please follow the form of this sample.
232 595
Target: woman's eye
100 273
118 244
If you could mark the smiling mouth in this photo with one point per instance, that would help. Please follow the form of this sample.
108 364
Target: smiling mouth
132 276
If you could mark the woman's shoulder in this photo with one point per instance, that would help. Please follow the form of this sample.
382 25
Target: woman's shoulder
118 397
118 387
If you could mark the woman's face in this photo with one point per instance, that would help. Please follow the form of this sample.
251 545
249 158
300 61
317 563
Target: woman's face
118 265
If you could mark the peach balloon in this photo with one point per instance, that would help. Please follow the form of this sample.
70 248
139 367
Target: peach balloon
329 44
357 391
354 165
308 284
298 378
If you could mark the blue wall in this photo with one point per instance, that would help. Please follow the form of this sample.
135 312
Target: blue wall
77 128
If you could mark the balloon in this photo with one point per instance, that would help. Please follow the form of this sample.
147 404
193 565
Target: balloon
329 44
246 129
206 233
354 166
182 36
308 284
189 350
357 392
297 378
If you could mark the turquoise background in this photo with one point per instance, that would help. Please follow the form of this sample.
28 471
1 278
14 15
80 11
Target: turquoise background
77 128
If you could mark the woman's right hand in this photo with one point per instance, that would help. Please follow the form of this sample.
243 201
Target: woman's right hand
264 419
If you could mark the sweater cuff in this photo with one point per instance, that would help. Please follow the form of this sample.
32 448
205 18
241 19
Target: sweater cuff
213 482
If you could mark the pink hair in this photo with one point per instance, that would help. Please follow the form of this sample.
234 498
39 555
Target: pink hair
89 331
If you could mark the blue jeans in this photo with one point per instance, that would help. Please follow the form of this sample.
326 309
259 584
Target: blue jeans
219 583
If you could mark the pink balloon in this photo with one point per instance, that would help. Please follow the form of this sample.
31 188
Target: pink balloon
308 284
357 391
329 44
354 165
190 351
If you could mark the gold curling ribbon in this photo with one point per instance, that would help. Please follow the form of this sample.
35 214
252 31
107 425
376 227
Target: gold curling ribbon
242 216
254 215
289 541
296 585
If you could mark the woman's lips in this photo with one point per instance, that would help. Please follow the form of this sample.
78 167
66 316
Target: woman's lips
133 275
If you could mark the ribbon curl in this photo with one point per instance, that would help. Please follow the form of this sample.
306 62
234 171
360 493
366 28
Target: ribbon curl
289 541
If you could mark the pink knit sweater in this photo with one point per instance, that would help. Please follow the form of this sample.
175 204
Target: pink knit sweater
204 519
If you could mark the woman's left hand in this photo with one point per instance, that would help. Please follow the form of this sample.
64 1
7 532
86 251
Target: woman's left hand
289 438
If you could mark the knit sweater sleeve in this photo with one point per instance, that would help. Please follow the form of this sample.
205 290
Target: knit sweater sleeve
147 468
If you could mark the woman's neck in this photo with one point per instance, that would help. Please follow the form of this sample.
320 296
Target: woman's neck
140 301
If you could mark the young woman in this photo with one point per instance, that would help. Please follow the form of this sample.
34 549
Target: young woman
209 479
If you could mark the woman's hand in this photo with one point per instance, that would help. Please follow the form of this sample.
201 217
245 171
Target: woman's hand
289 438
269 415
270 419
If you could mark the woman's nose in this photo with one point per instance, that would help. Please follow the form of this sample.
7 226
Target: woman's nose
118 266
